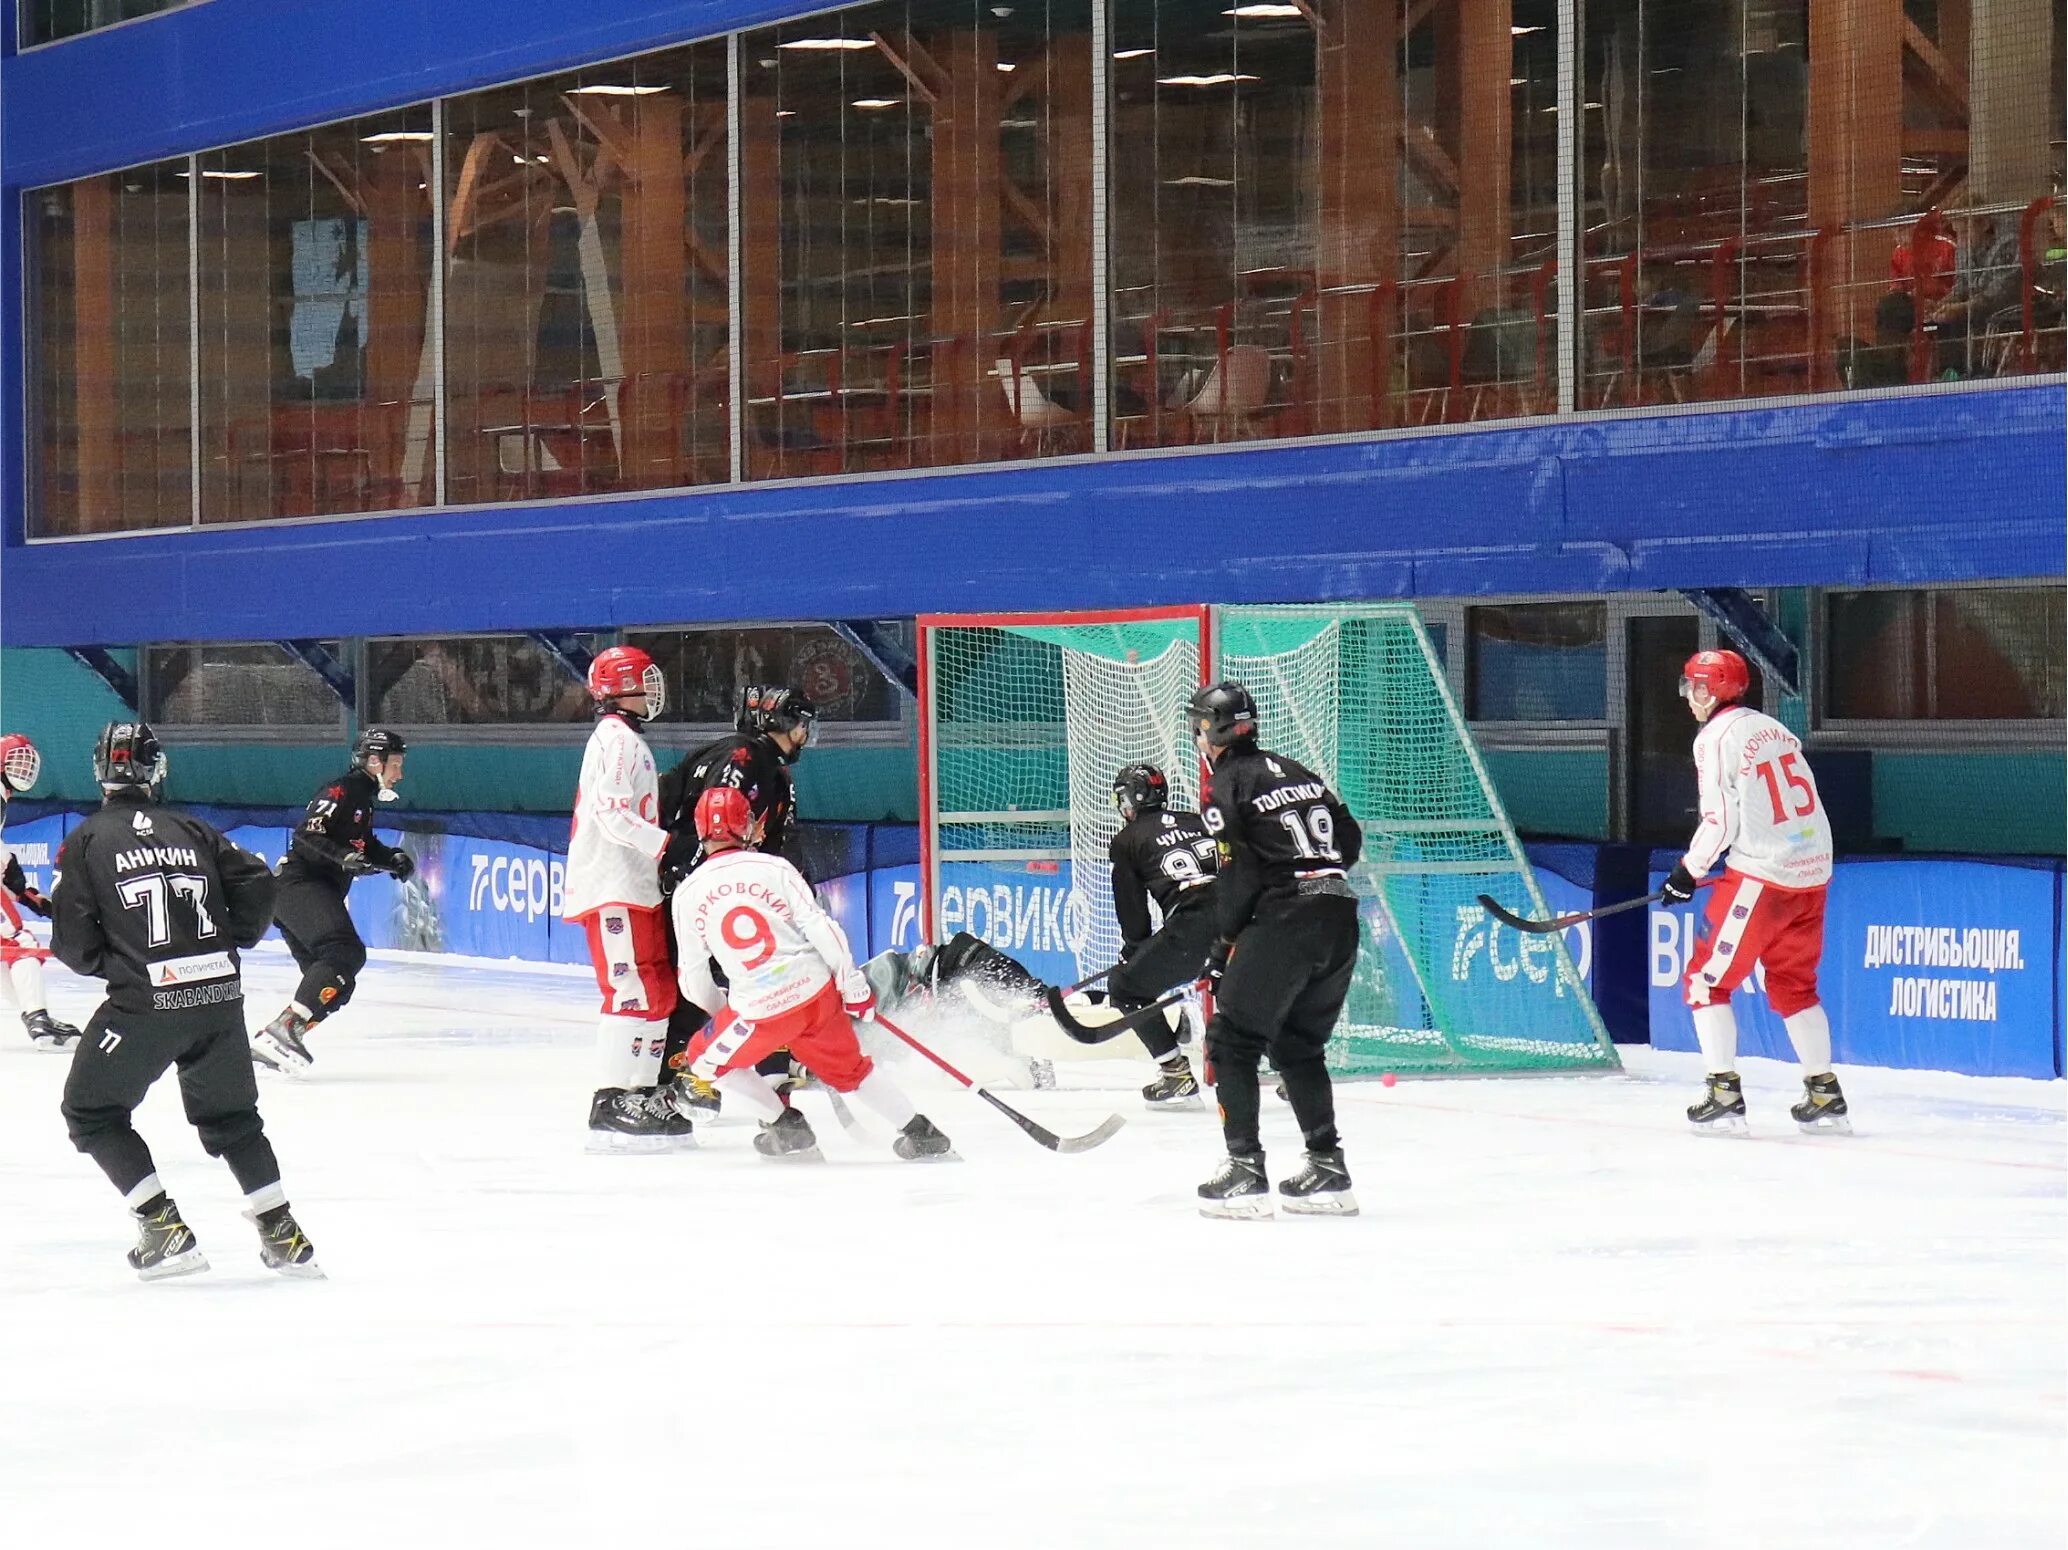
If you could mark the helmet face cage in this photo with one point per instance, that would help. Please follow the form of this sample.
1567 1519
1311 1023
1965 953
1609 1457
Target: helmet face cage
20 764
655 683
128 755
1140 788
1722 675
620 671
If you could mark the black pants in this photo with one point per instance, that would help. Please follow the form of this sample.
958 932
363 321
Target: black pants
1170 958
1283 991
318 930
122 1054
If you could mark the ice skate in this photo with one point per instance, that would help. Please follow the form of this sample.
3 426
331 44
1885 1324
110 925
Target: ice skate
165 1245
1175 1086
636 1120
693 1097
46 1032
1722 1109
1822 1109
922 1140
1321 1188
280 1045
1239 1191
283 1246
788 1138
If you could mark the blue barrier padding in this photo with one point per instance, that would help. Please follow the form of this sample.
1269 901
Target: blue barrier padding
1934 964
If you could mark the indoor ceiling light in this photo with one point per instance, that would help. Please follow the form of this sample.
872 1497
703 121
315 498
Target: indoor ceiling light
1006 69
397 137
1199 182
615 91
786 112
1264 10
1132 53
873 103
1522 32
1221 79
827 45
227 177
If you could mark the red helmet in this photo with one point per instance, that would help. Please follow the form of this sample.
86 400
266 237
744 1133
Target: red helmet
20 764
1722 673
623 670
722 814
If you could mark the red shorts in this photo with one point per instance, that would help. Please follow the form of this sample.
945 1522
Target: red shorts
819 1033
628 944
1753 922
15 941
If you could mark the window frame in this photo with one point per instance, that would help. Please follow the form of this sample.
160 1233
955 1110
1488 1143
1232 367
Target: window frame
198 734
522 734
691 735
21 27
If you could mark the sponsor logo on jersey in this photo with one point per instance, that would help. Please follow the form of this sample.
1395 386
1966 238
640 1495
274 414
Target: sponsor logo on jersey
197 966
141 822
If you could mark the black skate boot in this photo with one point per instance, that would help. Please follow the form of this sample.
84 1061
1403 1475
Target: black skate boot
921 1140
280 1045
46 1032
639 1119
1281 1093
1822 1107
1322 1188
1722 1109
283 1246
788 1137
1239 1191
165 1245
1175 1086
693 1097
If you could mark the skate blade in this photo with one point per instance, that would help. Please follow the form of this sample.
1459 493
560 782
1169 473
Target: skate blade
271 1057
1730 1125
1246 1208
50 1045
193 1262
1193 1104
1826 1125
307 1271
810 1154
610 1143
1334 1203
949 1156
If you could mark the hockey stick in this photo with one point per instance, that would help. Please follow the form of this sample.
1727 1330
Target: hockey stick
1560 922
1104 1132
1099 1033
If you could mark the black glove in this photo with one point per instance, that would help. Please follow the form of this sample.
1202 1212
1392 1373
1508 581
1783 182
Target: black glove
1679 886
34 902
401 866
358 864
678 855
1216 962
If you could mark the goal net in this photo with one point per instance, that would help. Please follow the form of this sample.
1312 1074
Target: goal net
1026 718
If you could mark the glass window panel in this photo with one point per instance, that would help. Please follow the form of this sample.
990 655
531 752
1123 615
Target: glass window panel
916 217
45 21
226 685
1959 654
705 668
112 411
473 680
315 299
586 311
1537 662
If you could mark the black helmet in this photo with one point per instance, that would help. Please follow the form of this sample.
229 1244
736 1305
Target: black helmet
1139 788
377 743
769 709
128 754
1224 712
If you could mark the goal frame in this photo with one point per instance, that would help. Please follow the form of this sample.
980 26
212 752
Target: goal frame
1200 615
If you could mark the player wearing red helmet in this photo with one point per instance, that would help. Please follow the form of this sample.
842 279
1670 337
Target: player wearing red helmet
615 851
21 955
1759 802
790 982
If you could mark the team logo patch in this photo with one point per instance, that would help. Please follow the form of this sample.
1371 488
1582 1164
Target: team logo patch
142 824
619 970
1723 949
632 1004
327 995
742 757
1740 911
614 924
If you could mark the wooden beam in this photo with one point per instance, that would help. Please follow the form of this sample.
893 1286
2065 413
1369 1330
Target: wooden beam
398 290
1855 148
1485 60
1067 128
613 139
343 178
1357 94
467 189
919 69
761 249
1030 214
1923 65
94 356
653 276
967 178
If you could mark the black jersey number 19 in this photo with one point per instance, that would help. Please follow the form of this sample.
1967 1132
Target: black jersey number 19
1313 831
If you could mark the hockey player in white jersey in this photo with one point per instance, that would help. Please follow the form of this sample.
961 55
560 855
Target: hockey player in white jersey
613 891
1759 803
791 982
21 955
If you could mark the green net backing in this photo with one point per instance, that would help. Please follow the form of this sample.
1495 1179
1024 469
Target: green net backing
1355 693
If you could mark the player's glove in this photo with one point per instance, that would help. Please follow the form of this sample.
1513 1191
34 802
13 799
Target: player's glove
357 864
401 866
1216 963
34 902
862 1011
678 855
1679 886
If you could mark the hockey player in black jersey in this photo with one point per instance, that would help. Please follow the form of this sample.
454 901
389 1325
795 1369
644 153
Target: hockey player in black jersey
1284 955
333 844
158 904
1167 856
772 727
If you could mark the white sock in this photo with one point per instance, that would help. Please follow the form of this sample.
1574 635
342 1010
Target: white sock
1809 1030
628 1051
271 1197
882 1096
147 1189
1717 1029
752 1089
26 974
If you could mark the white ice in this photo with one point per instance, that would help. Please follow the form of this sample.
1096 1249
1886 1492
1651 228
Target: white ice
1560 1322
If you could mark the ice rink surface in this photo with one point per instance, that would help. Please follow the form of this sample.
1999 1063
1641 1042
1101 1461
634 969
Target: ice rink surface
1560 1322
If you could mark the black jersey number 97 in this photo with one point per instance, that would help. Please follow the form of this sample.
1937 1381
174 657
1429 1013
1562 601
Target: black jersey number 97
1183 867
153 893
1313 831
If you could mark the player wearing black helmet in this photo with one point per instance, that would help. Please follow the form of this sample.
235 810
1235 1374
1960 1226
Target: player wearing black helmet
1286 948
1167 856
333 844
158 904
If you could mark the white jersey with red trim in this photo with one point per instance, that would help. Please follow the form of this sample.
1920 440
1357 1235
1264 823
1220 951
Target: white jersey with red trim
1759 802
756 915
614 848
